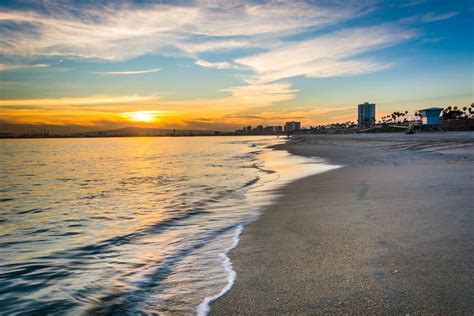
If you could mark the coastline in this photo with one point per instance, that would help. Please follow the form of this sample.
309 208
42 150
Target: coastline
281 168
390 232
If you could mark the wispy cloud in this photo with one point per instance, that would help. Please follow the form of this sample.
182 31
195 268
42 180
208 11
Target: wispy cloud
77 101
261 94
325 56
434 17
12 67
218 65
407 4
312 115
129 72
429 17
122 31
193 48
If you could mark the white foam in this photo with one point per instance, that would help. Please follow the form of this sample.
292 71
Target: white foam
204 307
277 161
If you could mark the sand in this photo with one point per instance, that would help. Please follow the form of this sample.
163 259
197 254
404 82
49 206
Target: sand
392 232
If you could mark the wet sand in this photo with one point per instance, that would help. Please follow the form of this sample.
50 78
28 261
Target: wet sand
390 232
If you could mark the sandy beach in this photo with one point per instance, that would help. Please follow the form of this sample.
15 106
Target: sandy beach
391 232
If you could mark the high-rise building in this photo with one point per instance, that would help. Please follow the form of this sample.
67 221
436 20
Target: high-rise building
366 117
292 126
268 130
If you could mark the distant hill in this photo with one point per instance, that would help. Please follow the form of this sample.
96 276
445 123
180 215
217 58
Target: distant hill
142 131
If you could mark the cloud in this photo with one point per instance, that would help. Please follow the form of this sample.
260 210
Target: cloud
12 67
78 101
240 97
310 115
429 17
433 17
130 72
261 94
124 31
406 4
346 68
88 109
218 65
237 18
330 55
194 48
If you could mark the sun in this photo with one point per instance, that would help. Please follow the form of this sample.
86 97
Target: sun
142 116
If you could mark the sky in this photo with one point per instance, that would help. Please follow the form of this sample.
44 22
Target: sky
72 66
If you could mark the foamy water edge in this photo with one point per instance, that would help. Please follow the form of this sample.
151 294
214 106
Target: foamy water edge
205 306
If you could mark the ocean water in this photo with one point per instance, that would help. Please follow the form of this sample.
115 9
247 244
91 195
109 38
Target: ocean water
130 225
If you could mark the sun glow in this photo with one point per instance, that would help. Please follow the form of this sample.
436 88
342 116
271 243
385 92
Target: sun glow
143 116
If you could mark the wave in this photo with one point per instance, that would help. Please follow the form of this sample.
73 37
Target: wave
205 306
119 302
153 237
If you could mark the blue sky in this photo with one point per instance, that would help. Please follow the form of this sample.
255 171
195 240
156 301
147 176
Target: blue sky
221 64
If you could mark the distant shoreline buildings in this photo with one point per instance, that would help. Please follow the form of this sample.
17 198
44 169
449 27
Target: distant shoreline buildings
288 128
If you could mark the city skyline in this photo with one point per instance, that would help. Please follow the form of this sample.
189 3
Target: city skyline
220 66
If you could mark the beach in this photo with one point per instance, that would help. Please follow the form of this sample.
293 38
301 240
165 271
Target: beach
390 232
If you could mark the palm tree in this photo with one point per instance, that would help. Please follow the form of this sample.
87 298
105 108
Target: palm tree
398 114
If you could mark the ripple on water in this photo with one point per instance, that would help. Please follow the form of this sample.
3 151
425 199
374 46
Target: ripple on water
126 225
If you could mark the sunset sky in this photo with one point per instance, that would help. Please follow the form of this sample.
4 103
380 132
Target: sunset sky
76 66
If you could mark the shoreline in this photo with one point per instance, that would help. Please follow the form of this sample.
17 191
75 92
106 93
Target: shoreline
390 232
287 168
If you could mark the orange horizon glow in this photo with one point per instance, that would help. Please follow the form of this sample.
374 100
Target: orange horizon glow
102 112
144 116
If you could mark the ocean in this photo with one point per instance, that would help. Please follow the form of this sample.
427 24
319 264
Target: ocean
130 225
